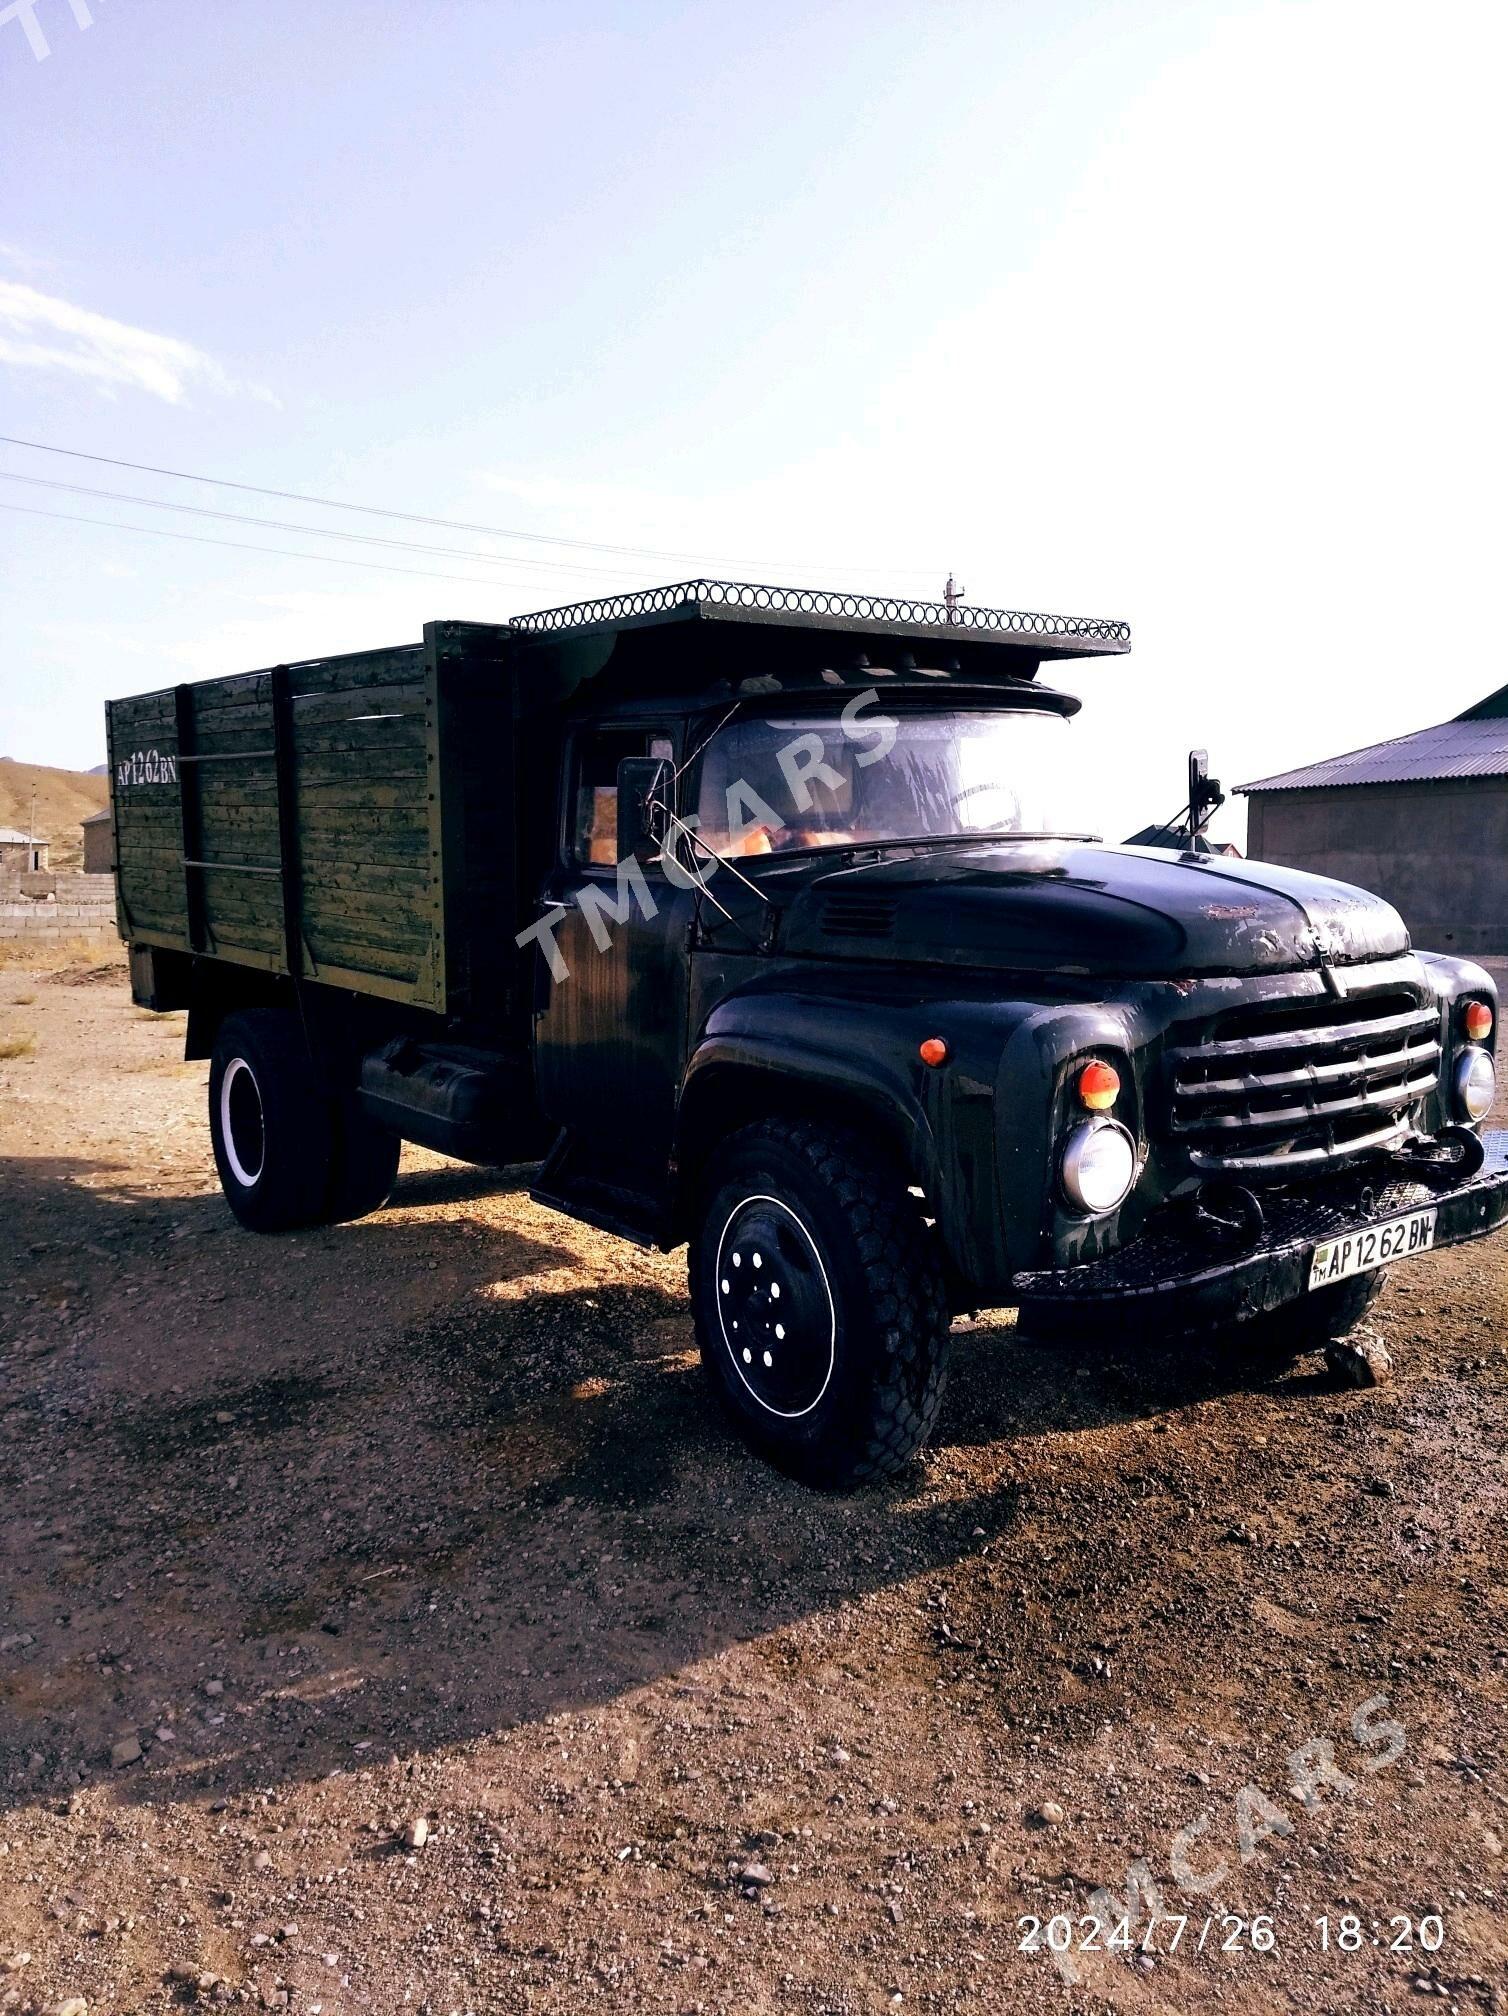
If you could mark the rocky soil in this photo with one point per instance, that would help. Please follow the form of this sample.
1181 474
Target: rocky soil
388 1624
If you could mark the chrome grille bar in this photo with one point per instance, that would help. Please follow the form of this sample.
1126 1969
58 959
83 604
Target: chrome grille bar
1423 1054
1281 1096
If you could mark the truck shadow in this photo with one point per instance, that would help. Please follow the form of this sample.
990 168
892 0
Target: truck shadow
382 1521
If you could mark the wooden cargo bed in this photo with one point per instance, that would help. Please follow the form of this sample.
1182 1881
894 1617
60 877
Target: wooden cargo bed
345 820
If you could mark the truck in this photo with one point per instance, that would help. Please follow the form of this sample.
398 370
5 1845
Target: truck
759 919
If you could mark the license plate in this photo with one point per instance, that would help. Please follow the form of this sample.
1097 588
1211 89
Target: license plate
1373 1246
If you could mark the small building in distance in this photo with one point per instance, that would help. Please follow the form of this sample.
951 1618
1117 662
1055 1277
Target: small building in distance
99 843
20 854
1423 820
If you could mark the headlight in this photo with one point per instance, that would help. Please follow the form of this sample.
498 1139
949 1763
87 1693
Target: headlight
1099 1167
1476 1083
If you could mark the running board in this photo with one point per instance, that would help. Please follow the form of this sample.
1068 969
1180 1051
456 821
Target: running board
566 1185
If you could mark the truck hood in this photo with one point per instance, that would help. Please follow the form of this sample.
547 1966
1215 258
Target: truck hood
1073 907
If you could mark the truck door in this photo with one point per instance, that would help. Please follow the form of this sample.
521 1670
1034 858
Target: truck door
610 1031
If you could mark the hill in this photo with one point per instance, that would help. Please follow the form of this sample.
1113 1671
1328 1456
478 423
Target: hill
63 799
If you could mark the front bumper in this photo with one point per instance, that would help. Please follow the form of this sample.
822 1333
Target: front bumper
1161 1269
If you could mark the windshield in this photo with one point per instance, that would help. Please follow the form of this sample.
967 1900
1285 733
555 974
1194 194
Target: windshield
771 785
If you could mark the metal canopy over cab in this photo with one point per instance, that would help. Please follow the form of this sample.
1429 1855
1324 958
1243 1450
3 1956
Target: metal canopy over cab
828 610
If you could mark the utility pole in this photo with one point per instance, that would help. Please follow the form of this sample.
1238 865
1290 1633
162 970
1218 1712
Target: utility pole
952 596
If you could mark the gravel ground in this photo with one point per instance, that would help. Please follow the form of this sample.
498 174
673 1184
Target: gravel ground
386 1623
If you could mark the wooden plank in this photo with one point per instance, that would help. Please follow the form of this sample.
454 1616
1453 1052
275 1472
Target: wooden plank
143 718
323 852
385 987
401 696
250 739
224 936
328 856
394 878
147 916
153 826
252 897
327 823
363 738
228 817
349 949
355 670
370 920
225 703
223 802
325 774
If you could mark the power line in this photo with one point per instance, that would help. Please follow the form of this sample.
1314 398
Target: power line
244 546
321 531
448 524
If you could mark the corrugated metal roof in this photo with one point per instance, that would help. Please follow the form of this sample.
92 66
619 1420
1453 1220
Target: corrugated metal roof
1473 745
9 837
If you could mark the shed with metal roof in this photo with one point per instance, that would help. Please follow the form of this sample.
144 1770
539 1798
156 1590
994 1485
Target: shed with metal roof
1422 819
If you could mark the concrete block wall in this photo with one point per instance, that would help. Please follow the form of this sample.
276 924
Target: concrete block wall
82 906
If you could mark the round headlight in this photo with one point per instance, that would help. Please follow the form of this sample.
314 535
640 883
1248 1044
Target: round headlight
1099 1167
1476 1083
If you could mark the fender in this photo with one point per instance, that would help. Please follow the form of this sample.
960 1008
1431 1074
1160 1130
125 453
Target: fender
781 1049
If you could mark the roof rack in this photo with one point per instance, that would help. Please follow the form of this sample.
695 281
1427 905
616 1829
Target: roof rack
821 608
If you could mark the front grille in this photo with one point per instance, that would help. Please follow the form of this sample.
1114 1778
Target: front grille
1286 1088
858 913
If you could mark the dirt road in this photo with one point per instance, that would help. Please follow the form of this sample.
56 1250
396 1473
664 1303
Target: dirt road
426 1520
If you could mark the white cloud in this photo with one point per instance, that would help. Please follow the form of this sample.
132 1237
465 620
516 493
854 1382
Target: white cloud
44 333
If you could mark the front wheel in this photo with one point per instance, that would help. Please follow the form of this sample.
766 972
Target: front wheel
819 1302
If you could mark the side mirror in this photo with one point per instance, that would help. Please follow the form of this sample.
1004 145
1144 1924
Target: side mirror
1205 795
645 784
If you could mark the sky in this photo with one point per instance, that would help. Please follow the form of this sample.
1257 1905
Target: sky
1187 314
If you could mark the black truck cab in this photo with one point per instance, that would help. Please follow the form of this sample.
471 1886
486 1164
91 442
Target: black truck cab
801 965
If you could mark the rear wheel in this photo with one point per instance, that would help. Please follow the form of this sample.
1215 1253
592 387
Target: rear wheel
819 1303
270 1122
364 1164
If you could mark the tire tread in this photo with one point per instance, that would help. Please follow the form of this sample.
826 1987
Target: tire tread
903 1279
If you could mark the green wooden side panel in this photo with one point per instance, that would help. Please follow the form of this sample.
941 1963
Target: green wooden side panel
286 820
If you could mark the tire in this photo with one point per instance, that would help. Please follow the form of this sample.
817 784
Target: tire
811 1224
270 1121
364 1165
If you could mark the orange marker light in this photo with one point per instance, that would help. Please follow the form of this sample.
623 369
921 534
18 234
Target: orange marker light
934 1051
1099 1087
1477 1021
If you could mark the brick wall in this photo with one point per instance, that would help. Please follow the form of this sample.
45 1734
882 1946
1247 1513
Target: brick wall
82 907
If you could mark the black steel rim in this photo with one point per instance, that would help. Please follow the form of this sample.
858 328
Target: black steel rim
775 1307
